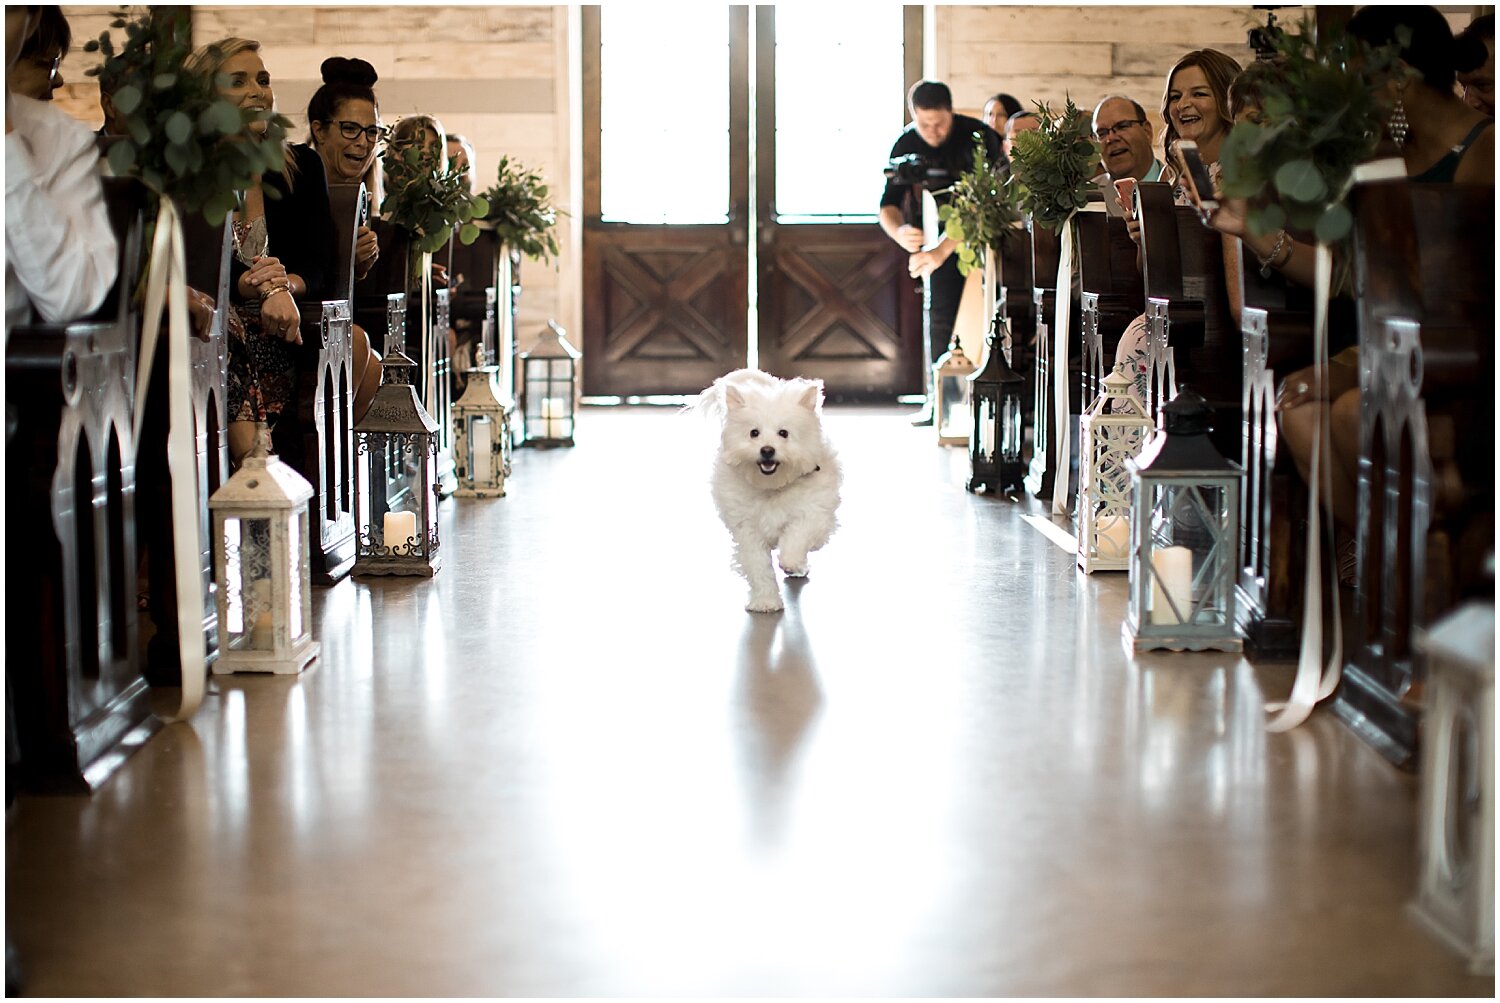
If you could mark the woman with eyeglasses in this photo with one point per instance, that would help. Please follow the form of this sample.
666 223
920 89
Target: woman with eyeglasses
38 71
346 133
284 250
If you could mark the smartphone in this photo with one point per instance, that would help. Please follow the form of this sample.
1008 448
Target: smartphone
1125 187
1197 175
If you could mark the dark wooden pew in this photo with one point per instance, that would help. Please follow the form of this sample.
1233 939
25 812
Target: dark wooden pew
474 303
1191 337
1111 294
320 441
1276 325
1424 273
382 297
207 251
81 703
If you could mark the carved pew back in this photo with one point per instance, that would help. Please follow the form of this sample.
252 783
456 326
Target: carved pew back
1424 271
74 667
320 442
1276 325
1189 334
1111 293
474 303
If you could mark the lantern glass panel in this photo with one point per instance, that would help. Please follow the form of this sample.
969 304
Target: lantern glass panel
954 421
984 407
481 436
1010 427
395 516
1109 488
247 578
1189 552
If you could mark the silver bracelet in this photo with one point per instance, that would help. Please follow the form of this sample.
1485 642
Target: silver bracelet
1282 239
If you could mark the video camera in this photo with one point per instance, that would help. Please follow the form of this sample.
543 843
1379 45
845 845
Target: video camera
915 169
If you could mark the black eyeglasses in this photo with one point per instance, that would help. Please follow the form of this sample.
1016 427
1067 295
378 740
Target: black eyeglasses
352 130
1102 134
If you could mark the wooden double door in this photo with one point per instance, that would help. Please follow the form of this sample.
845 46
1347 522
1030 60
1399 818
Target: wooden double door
668 307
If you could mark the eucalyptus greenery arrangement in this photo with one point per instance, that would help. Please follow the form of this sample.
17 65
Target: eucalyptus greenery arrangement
1053 164
427 200
1320 117
980 211
185 142
521 211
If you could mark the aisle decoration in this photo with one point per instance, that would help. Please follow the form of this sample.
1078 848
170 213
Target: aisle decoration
396 443
1114 429
481 436
549 386
996 392
1052 166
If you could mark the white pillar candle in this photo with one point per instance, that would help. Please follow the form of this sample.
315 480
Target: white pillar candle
400 529
1173 567
1112 536
481 439
987 428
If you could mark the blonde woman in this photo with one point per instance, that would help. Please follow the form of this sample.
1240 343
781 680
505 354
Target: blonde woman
284 250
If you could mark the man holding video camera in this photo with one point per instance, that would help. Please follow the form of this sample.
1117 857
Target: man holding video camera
930 154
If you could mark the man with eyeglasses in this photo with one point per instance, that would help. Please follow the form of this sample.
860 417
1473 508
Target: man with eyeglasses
1125 140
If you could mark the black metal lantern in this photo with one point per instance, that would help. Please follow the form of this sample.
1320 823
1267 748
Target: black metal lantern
1185 559
995 396
395 479
548 388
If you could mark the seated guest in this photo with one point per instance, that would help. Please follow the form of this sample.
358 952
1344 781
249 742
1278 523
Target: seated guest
346 132
1021 121
39 70
427 132
1477 75
1443 140
297 226
61 258
1125 140
1195 106
997 110
461 157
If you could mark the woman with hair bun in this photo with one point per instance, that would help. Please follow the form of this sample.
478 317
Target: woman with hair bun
346 133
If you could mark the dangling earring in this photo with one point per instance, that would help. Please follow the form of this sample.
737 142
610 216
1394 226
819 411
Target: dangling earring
1398 126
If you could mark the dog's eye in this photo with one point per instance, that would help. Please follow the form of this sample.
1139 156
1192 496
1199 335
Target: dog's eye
755 433
782 433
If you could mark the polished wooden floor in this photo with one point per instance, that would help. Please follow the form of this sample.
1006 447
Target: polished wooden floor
573 765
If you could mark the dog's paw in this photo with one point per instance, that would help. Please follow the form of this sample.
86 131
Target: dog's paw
764 604
794 570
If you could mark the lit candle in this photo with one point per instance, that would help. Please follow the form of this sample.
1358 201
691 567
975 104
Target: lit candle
261 626
400 530
1173 567
553 417
481 432
987 430
1112 536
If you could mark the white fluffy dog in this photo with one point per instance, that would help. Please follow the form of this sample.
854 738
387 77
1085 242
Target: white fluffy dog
776 476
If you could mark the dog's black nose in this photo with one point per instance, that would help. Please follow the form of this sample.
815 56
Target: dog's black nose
767 452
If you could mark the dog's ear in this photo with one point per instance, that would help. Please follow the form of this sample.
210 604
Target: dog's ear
812 395
733 398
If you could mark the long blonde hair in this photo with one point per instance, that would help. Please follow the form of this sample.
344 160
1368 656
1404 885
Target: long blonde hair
207 61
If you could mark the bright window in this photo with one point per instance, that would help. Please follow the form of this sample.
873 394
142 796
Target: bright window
664 116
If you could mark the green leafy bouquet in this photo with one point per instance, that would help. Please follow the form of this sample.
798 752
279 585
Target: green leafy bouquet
980 211
521 211
1051 166
1320 118
427 200
184 141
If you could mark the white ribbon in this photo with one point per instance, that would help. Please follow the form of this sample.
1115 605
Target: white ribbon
1062 312
1314 680
167 280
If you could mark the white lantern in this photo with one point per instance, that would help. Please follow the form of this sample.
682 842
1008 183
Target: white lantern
1456 843
952 413
395 479
481 435
1184 559
260 543
1113 430
549 372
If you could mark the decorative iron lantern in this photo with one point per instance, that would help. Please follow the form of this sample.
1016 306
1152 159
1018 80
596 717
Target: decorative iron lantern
261 547
395 479
1456 841
995 395
1114 429
548 387
481 435
950 381
1185 555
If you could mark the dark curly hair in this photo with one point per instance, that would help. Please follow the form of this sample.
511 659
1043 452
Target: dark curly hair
1433 51
343 80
